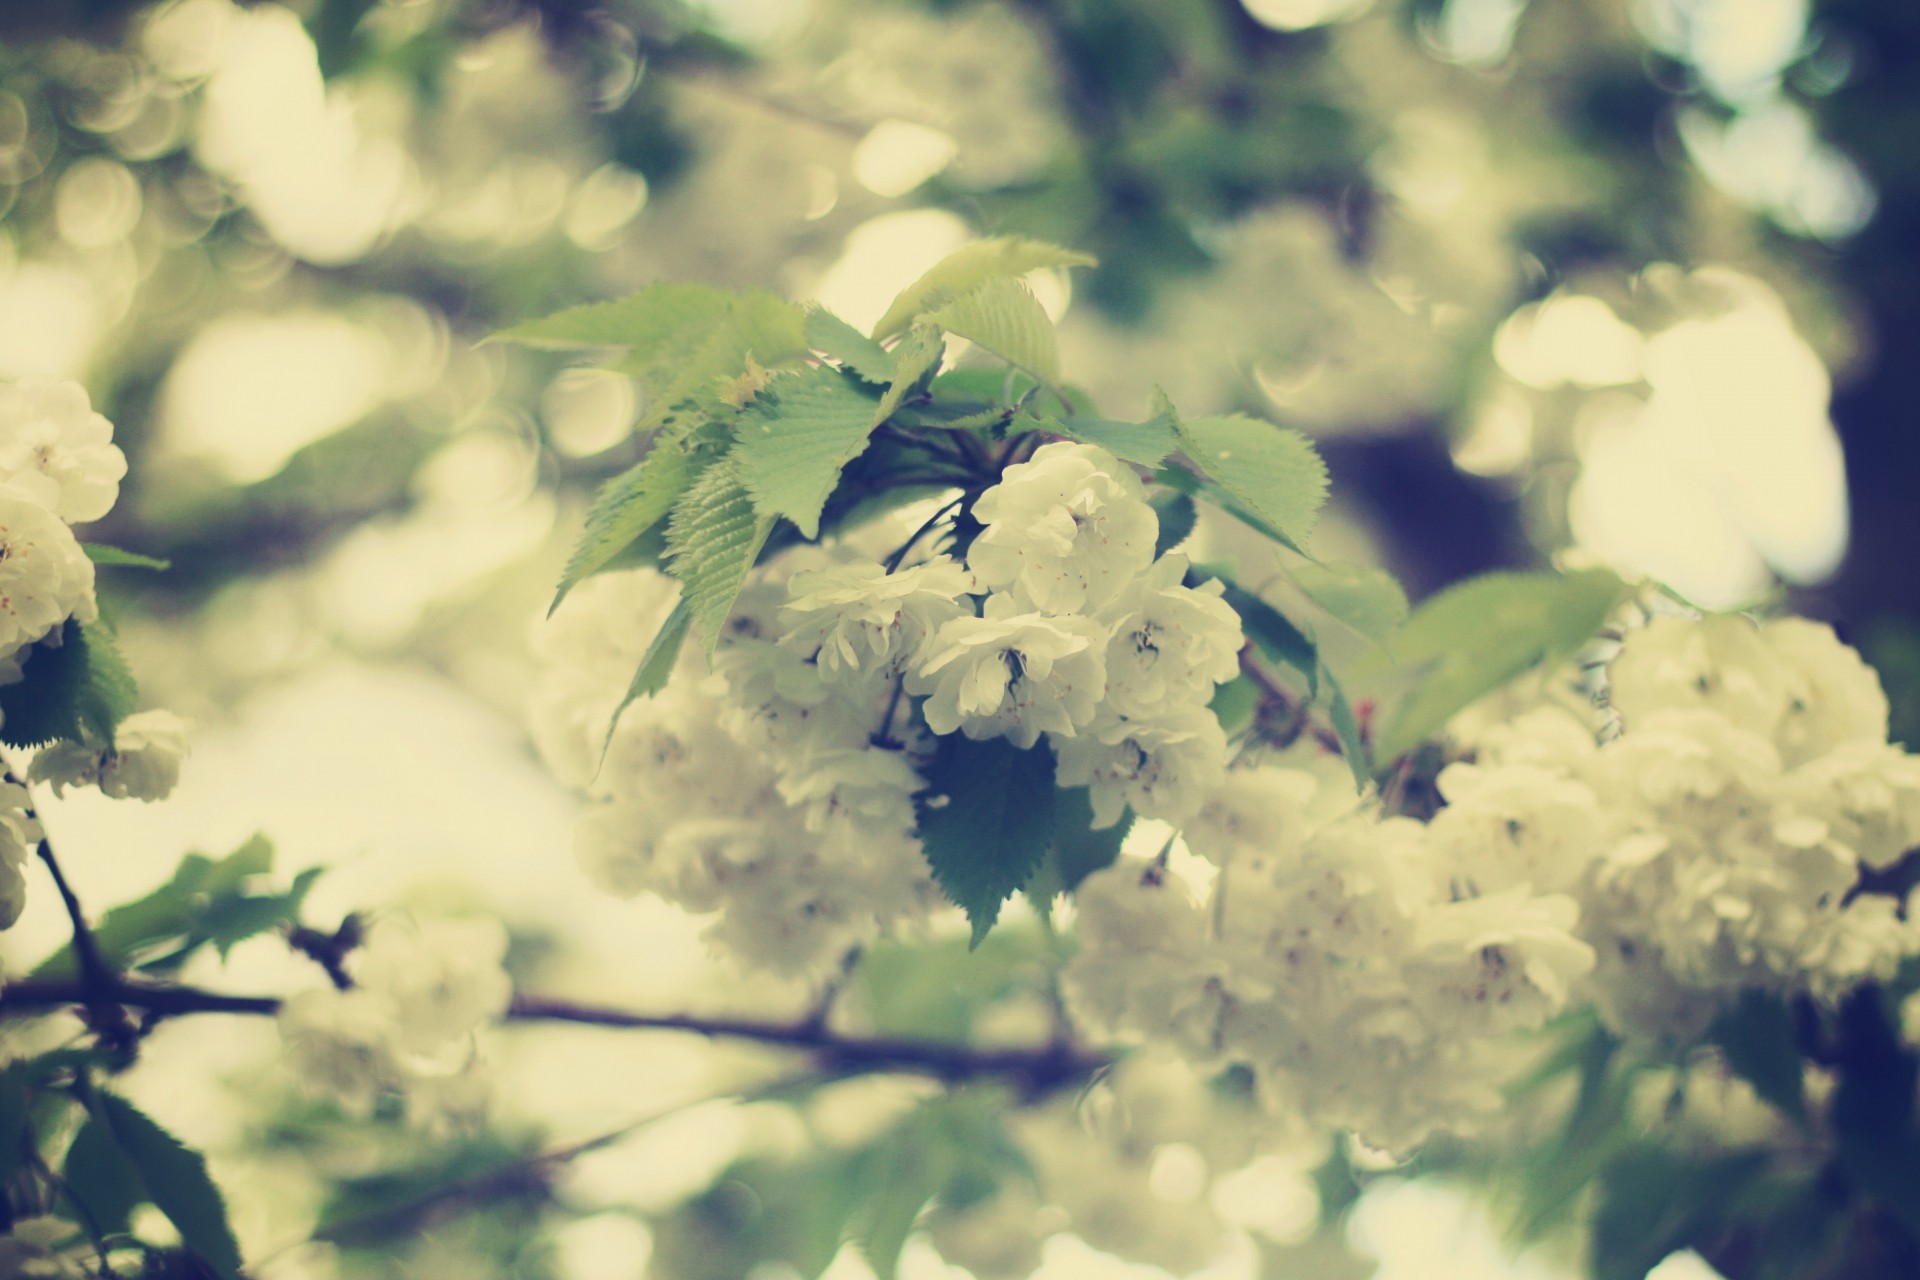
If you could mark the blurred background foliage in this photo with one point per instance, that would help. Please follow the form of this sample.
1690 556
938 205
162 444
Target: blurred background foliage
1630 281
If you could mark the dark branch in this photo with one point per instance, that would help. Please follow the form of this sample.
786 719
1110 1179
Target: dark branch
1040 1069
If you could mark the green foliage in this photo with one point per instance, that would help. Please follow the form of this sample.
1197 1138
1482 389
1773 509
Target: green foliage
1079 850
713 538
208 902
839 341
1368 601
1346 726
171 1177
1000 258
954 1147
1272 633
1270 473
986 821
627 506
914 357
1176 514
656 665
1147 444
1002 317
102 554
103 1184
791 442
664 321
1757 1039
78 690
1653 1202
1477 636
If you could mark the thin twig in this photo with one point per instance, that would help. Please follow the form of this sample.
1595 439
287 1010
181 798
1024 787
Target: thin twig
1038 1069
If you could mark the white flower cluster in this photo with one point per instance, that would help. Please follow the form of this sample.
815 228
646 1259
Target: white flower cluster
1369 970
775 785
1082 635
58 467
764 786
407 1026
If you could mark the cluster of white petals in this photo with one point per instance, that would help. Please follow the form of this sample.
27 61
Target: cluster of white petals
762 786
20 832
775 783
142 764
1082 635
1370 970
57 451
407 1026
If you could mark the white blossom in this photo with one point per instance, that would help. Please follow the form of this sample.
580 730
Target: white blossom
1171 643
143 763
1016 675
1064 531
442 976
341 1044
858 620
45 577
19 834
56 450
1164 768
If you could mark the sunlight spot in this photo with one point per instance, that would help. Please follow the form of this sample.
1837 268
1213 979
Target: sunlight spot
1298 15
883 256
898 155
1568 338
249 391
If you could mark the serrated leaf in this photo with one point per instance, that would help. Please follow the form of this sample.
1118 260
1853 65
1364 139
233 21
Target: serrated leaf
101 553
1367 600
1177 515
1148 443
176 1181
791 443
78 690
669 318
1274 473
1480 634
1002 257
914 356
101 1180
205 901
713 537
656 665
986 821
1756 1037
834 338
627 506
1002 317
1346 727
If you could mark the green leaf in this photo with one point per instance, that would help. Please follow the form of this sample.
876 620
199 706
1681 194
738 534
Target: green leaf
986 821
656 665
1269 629
1148 443
1346 726
1177 515
769 329
1367 600
914 357
834 338
176 1181
1480 634
13 1119
102 1182
78 690
1234 703
627 506
1002 317
713 537
793 440
101 553
206 901
1756 1037
1003 257
668 318
1078 850
1273 473
1653 1202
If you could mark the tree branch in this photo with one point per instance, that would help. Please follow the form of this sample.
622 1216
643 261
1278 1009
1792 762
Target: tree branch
1038 1069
